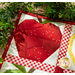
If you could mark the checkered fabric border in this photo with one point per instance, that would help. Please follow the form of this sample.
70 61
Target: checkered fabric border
68 71
64 42
30 63
64 46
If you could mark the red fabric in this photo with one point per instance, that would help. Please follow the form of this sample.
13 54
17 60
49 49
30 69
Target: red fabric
58 70
37 41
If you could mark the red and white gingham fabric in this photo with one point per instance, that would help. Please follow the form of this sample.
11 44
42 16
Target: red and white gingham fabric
64 46
64 42
30 63
68 71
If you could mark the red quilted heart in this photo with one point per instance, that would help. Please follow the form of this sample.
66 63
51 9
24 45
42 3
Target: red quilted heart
37 41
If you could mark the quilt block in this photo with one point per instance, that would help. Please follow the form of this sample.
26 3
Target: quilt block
45 47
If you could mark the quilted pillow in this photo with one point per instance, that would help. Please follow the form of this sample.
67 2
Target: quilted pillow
39 46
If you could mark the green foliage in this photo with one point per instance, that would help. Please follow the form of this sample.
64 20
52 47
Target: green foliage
13 8
55 10
58 10
5 29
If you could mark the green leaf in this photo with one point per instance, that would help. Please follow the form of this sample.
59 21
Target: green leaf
3 3
13 71
60 15
46 21
1 27
22 68
30 9
1 60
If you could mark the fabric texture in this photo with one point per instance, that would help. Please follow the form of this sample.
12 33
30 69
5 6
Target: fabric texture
37 41
58 70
